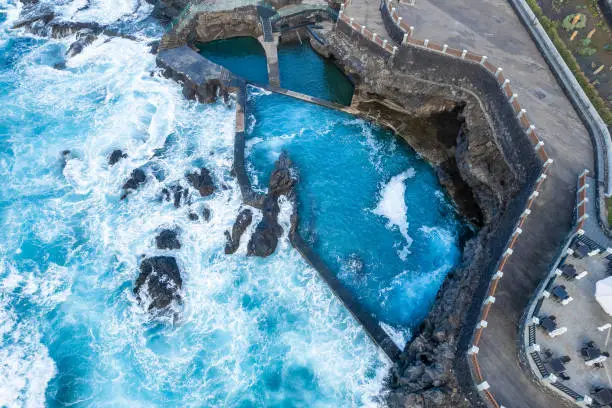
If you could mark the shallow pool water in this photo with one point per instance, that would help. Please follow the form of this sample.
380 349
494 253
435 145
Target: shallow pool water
303 70
372 208
243 56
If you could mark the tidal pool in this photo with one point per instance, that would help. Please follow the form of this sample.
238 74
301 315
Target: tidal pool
301 68
369 205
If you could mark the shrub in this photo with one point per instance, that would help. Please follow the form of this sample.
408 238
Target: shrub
567 22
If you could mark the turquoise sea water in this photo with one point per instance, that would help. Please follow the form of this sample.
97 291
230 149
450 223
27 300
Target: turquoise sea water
251 332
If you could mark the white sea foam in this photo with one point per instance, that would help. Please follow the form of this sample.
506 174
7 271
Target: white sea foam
239 314
399 336
25 365
392 206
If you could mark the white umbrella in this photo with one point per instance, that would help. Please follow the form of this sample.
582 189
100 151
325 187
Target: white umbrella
603 294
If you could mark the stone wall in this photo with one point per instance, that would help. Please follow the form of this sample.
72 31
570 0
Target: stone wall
209 26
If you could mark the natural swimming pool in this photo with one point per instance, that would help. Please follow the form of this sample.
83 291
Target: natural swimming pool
301 68
369 205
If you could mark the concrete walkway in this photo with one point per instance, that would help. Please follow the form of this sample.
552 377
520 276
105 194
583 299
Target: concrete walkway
491 27
366 13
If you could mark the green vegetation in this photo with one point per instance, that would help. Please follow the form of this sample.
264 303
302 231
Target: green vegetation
586 51
609 207
567 22
566 54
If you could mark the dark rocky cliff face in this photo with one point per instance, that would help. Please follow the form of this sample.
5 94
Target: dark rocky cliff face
455 117
446 125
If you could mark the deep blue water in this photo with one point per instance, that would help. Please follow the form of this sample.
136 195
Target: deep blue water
372 208
251 332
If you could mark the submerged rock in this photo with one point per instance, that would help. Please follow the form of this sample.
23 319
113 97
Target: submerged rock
115 156
168 239
159 281
175 193
137 178
84 38
206 213
202 182
243 220
264 240
193 216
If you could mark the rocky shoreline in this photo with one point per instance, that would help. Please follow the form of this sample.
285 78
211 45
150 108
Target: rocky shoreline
443 116
447 120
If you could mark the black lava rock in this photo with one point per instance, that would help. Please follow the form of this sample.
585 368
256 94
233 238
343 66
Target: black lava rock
202 182
84 38
136 179
175 193
193 216
243 220
115 156
206 213
161 279
264 240
168 239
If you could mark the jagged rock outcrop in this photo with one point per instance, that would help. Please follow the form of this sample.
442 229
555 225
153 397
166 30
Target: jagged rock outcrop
201 78
264 240
167 239
137 178
202 182
206 213
159 282
175 193
84 38
115 156
243 220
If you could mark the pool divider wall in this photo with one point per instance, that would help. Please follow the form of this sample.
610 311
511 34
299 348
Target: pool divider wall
370 325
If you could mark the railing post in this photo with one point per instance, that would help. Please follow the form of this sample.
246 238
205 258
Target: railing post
426 42
463 53
444 48
405 39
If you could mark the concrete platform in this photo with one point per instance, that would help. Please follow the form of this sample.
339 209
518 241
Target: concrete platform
581 316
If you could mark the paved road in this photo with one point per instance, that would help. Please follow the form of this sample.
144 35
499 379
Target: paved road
492 28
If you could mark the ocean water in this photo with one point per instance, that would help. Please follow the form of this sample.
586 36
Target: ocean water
371 207
251 332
